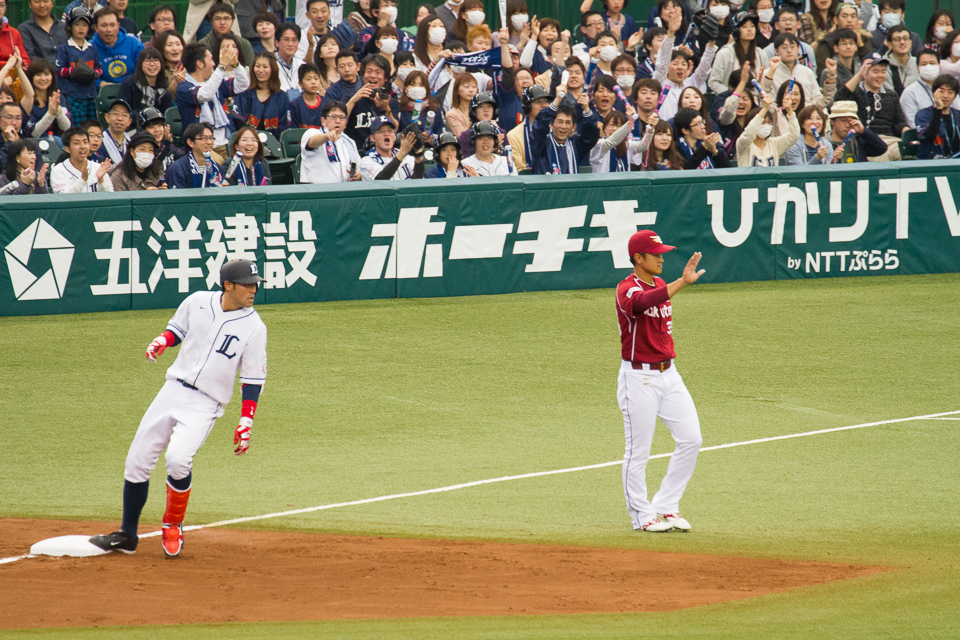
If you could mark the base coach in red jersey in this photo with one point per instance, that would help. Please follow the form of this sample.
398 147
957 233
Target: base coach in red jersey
649 385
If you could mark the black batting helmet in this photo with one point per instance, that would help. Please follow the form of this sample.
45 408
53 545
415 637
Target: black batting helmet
148 115
479 99
484 128
446 138
531 94
741 19
79 13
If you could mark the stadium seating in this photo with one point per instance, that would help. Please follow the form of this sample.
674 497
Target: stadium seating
172 116
909 145
290 142
107 94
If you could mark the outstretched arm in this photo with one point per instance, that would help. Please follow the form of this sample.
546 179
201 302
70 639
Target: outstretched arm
690 275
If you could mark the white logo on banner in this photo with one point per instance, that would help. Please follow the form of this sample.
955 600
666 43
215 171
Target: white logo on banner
51 285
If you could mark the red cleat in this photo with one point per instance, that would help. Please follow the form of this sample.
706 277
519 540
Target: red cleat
172 538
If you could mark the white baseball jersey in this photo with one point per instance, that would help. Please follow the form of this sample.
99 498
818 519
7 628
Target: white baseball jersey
498 167
373 163
330 162
216 343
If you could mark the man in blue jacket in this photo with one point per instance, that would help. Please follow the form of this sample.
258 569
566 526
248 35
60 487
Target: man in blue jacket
118 51
555 146
196 170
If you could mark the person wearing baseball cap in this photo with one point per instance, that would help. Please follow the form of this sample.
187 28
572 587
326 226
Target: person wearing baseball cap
383 162
852 142
115 137
649 386
866 89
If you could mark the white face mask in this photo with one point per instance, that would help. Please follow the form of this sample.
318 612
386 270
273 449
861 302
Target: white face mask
417 93
389 45
143 160
765 15
518 20
891 20
456 68
765 130
929 72
475 17
955 49
609 53
454 3
625 82
389 11
403 72
720 11
437 35
940 32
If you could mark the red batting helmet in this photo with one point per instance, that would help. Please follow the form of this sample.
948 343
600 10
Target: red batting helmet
647 241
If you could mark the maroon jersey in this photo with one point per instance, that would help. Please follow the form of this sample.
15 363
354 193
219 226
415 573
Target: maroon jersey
646 319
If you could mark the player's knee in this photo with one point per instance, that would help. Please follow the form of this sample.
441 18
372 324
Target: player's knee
178 466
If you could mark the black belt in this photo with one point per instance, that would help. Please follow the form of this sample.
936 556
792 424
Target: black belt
663 365
187 384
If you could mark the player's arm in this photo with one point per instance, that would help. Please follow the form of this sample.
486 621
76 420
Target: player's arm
241 437
166 339
690 275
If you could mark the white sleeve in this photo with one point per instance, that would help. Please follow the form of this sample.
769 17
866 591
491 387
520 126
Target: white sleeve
61 181
107 184
179 324
253 360
208 90
369 168
526 58
663 60
241 80
311 133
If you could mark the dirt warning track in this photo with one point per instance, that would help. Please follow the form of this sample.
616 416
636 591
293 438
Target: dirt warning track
229 575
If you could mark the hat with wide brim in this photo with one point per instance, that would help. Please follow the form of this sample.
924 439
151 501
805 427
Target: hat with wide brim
844 109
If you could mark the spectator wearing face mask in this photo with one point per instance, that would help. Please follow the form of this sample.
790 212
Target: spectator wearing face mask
674 67
756 147
919 95
602 56
893 14
732 56
938 126
140 169
766 32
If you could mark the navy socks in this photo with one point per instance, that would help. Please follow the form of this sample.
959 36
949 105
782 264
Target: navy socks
134 497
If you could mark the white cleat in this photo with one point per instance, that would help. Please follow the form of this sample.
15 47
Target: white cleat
655 525
676 521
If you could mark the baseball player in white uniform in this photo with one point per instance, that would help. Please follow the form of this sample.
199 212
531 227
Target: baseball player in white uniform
219 333
649 385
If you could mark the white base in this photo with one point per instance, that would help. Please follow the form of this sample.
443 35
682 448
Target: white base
74 546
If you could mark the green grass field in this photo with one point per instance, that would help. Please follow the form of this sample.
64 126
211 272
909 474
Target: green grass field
379 397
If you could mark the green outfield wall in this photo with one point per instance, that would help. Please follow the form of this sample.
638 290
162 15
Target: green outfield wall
145 250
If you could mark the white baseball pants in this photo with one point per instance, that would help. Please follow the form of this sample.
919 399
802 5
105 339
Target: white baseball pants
178 420
643 395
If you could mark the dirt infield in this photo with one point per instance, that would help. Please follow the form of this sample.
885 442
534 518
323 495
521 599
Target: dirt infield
228 575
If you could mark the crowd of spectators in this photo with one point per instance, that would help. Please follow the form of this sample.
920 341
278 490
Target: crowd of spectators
695 84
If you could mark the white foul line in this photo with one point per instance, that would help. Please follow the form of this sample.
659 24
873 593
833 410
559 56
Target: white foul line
535 474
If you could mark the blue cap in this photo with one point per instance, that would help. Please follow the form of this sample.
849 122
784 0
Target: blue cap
379 121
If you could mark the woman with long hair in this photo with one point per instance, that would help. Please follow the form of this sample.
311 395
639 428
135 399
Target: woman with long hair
692 98
246 159
614 153
325 57
264 105
518 22
458 117
21 168
471 15
819 22
732 56
140 169
431 35
170 44
230 42
950 54
147 87
364 16
416 88
387 40
941 23
49 115
757 146
814 145
662 154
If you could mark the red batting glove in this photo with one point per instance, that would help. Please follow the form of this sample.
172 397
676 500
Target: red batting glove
241 436
156 348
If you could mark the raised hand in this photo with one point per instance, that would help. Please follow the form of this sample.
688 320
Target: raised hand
42 176
690 273
104 167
